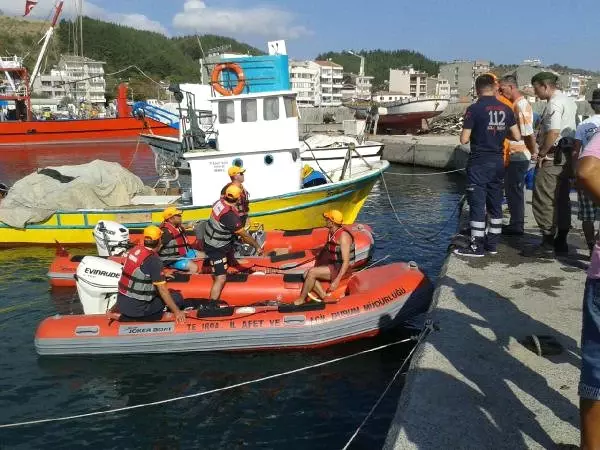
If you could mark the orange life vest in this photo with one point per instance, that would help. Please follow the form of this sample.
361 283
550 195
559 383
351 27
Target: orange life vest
216 235
334 248
133 282
177 246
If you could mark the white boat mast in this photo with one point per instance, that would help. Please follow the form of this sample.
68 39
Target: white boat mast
46 39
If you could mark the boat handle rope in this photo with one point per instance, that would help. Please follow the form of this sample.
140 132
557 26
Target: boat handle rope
418 339
423 174
430 237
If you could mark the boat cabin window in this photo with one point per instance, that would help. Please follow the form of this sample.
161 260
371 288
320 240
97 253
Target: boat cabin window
249 110
271 108
226 112
291 109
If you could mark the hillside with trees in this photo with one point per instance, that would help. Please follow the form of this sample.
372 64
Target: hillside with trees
160 57
379 62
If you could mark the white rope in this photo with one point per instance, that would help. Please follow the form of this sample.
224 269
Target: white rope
199 394
422 174
376 262
422 336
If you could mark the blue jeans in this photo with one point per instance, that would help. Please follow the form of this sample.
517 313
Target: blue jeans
589 384
184 262
514 187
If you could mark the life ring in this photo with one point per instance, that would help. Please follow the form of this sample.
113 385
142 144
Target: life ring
241 79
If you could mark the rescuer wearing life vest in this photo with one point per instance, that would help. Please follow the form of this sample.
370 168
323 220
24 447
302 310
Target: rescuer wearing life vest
221 230
237 179
312 177
143 291
333 261
175 251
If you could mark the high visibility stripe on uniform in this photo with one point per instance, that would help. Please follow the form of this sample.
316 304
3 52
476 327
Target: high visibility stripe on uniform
496 221
494 230
477 233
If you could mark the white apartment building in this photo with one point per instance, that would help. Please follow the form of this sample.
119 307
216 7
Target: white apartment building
76 76
442 88
331 78
408 81
305 79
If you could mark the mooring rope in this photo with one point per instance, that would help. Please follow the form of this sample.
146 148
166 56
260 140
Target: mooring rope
423 174
200 394
428 329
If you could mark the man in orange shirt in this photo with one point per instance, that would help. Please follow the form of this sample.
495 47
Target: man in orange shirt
520 156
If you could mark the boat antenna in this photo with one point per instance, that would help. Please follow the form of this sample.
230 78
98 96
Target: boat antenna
201 60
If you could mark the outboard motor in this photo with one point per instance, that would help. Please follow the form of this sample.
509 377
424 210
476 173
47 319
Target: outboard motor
112 238
97 281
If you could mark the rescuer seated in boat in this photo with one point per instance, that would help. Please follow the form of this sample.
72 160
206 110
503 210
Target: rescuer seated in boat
222 228
143 291
333 261
237 178
312 177
175 251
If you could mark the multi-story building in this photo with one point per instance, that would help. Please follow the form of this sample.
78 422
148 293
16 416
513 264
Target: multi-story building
305 78
572 84
332 76
385 96
76 76
357 87
461 77
442 88
408 81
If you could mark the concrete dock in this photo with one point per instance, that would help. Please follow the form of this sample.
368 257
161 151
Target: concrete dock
472 384
439 152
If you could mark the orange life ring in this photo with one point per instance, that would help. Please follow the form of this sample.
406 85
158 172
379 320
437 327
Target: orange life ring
241 79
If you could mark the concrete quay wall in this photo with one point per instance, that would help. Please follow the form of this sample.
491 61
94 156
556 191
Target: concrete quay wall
438 152
473 384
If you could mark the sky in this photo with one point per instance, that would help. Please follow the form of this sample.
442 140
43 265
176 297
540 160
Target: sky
564 32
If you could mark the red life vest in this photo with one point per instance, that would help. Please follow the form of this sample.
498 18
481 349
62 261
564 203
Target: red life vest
216 235
334 248
177 246
133 282
244 201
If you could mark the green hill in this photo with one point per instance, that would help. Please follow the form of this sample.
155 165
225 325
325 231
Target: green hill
160 57
379 62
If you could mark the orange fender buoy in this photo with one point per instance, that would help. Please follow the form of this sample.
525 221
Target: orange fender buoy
241 79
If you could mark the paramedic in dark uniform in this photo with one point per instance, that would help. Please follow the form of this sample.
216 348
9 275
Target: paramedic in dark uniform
487 123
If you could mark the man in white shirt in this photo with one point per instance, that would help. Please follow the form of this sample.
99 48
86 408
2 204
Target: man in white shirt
551 203
588 212
520 156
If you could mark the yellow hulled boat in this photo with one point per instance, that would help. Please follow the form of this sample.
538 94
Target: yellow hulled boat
296 210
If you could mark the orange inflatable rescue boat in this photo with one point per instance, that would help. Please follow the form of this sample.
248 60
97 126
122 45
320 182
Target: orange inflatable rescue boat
289 251
368 302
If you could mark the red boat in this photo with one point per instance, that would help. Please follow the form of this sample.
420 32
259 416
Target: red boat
23 129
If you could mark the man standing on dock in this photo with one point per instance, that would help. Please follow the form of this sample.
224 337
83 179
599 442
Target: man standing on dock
589 211
487 123
519 157
588 176
551 203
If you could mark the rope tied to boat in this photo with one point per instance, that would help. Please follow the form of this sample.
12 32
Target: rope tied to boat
430 237
210 391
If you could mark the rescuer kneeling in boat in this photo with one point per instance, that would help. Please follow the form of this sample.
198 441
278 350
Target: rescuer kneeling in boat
221 230
237 179
333 261
143 291
175 251
312 177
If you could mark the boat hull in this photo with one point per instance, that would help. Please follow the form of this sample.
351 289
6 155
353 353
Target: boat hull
297 210
80 131
377 299
328 159
409 116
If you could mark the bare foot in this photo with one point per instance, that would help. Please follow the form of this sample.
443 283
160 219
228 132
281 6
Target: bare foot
299 302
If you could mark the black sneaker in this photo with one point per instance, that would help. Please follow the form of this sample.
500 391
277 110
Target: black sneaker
472 250
561 247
